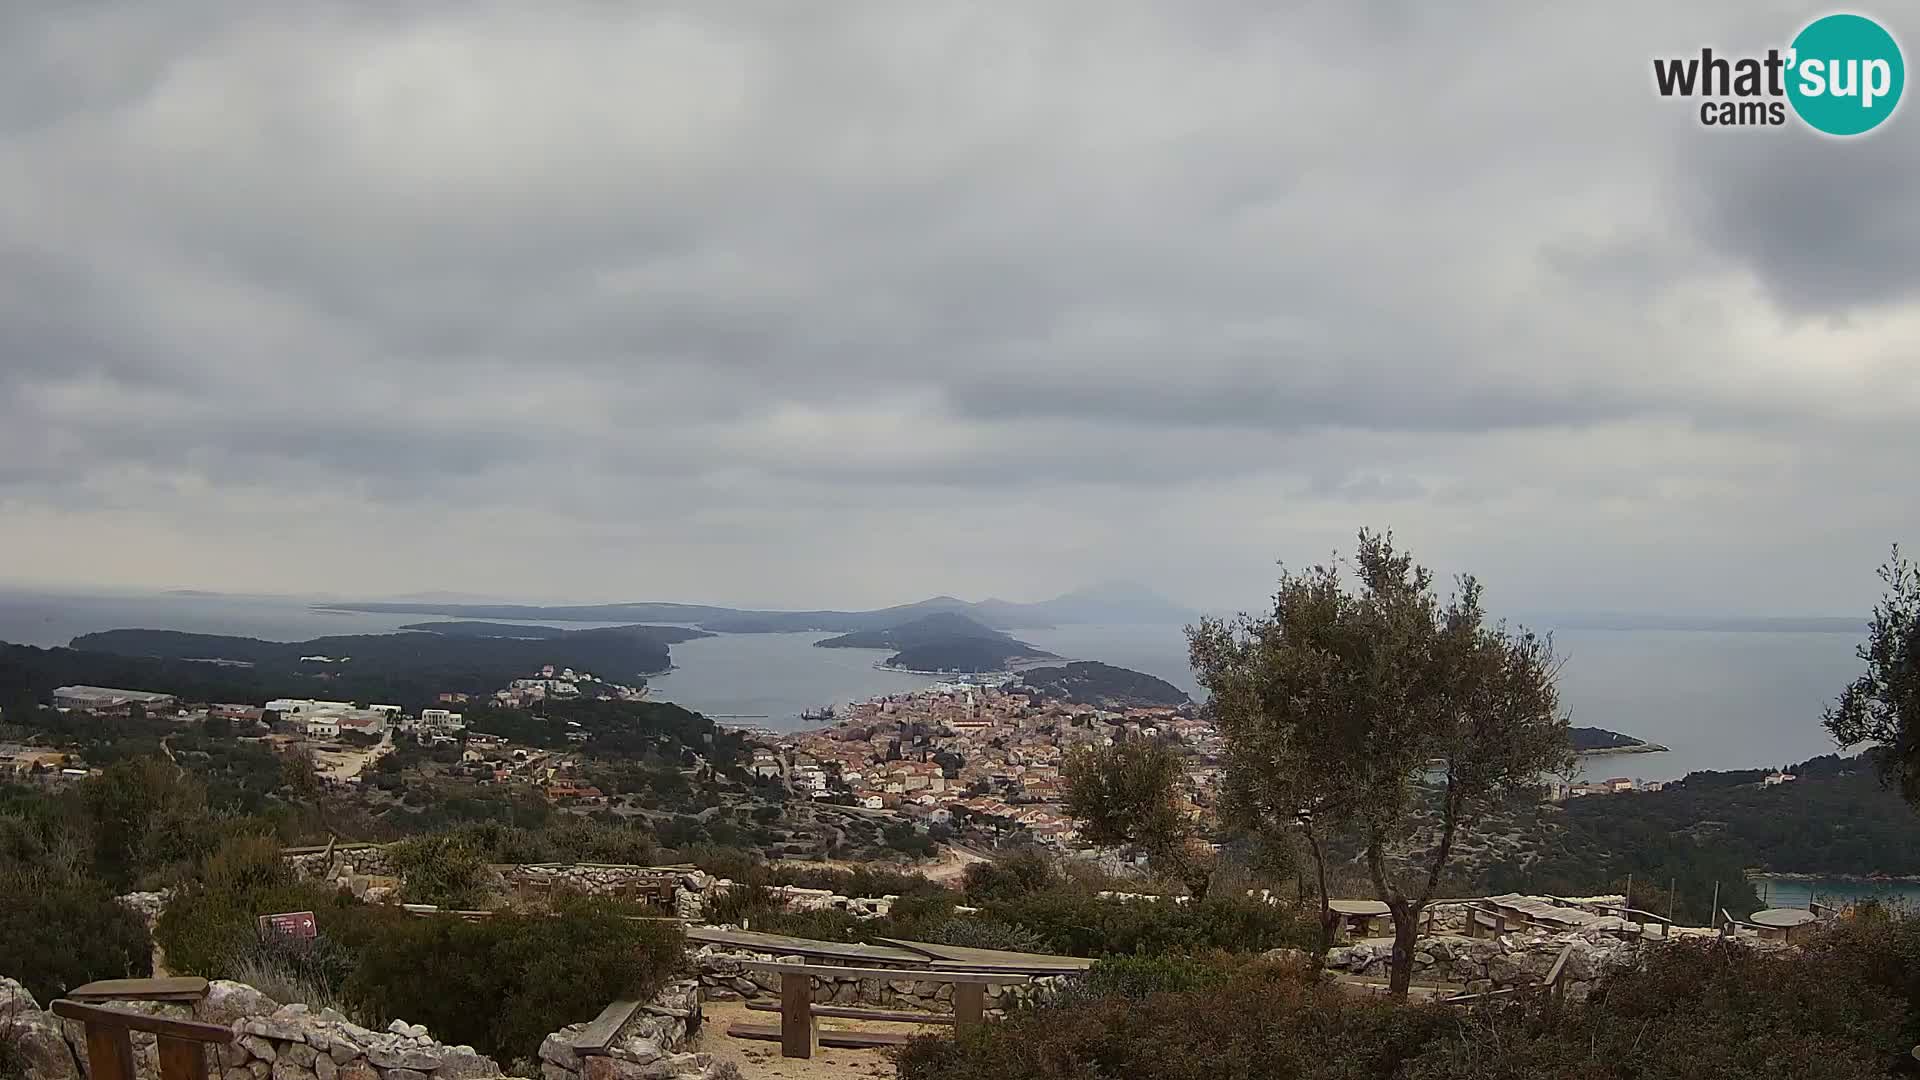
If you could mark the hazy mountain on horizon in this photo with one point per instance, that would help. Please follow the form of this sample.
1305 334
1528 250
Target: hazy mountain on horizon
1110 602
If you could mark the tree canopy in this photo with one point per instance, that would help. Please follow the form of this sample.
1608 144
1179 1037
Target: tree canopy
1882 706
1361 696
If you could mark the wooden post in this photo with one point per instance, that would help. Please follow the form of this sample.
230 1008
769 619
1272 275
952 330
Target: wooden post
1713 912
969 1005
799 1031
1667 930
109 1053
182 1059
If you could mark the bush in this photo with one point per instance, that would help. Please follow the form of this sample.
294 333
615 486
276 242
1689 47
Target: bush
60 930
1137 978
1264 1023
1686 1011
1076 924
1009 877
211 926
974 932
501 984
442 869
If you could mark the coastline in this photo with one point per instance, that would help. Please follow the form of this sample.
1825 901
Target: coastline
1863 879
882 665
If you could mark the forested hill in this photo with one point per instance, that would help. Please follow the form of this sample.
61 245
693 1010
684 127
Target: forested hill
1089 682
618 654
1835 819
407 669
944 641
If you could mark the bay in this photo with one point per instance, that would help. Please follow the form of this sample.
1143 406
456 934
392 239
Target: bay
1719 700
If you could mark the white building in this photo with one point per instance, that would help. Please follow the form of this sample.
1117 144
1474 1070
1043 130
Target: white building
323 727
287 707
439 722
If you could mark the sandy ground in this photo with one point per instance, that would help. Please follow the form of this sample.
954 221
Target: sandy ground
761 1060
341 762
949 865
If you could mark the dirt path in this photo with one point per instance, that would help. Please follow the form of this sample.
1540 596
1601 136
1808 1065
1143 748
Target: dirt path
760 1060
949 865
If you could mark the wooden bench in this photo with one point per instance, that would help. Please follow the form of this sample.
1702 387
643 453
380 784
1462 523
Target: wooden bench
799 1031
182 1044
183 988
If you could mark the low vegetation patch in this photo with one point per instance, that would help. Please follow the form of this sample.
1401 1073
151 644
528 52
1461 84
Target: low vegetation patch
1845 1007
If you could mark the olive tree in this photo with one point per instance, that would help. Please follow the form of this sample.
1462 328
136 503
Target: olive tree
1364 703
1127 795
1882 706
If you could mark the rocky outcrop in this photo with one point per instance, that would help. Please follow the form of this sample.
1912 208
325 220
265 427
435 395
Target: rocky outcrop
35 1038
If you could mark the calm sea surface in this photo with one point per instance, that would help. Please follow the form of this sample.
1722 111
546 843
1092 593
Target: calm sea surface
1719 700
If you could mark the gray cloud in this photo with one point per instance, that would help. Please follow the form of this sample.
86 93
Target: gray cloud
732 303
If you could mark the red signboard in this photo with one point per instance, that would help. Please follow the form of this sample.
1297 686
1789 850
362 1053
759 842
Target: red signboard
293 924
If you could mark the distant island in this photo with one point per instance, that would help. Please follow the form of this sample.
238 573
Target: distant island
1593 740
408 668
941 643
1111 602
1093 683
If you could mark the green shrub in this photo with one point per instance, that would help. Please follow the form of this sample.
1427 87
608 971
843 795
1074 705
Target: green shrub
501 984
1261 1024
1009 877
211 926
442 869
976 932
59 930
1139 977
1685 1011
1074 923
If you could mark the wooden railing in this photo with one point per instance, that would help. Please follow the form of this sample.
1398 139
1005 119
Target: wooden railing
799 1030
182 1043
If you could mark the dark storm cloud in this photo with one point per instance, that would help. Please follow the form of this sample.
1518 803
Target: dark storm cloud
1829 226
836 307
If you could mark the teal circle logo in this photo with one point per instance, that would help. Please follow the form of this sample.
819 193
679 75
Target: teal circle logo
1846 74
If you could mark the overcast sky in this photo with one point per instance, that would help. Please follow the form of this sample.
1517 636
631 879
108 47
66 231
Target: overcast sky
850 303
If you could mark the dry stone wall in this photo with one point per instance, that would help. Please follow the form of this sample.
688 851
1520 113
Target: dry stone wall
649 1046
1494 963
725 976
295 1042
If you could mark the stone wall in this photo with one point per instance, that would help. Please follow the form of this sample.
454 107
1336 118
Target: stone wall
366 859
690 887
294 1042
368 872
649 1046
272 1041
1494 963
724 976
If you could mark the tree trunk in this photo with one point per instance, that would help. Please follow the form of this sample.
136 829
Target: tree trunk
1329 920
1406 935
